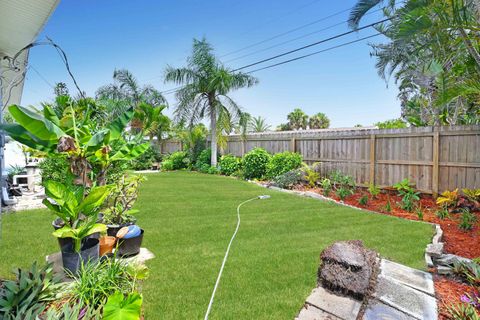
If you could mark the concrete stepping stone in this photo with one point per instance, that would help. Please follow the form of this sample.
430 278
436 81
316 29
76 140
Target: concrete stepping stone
343 307
413 278
309 312
380 311
415 303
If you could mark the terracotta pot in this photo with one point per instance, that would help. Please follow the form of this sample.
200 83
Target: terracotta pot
106 245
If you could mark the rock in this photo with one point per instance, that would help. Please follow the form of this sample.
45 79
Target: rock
444 270
435 250
429 261
347 267
449 260
437 238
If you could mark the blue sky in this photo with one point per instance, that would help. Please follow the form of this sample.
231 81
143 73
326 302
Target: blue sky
144 36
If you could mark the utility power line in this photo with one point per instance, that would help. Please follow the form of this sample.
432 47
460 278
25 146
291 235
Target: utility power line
41 76
312 44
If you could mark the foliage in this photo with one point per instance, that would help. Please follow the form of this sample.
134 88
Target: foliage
340 180
297 119
388 205
363 200
326 186
319 121
467 220
283 162
149 121
258 124
448 198
343 192
255 163
442 213
288 179
15 170
229 164
391 124
472 195
79 213
206 83
461 311
284 127
56 169
311 175
122 197
27 295
176 161
146 160
74 311
374 190
203 159
193 139
408 194
123 307
96 281
419 212
469 271
212 170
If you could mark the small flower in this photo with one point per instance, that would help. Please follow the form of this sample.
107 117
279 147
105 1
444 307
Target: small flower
465 298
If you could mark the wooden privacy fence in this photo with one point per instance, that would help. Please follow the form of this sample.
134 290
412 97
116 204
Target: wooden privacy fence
434 158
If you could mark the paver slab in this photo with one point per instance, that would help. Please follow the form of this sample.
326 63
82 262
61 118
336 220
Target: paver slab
309 312
380 311
341 306
414 278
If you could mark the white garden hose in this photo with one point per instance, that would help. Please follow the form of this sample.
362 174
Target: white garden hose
228 250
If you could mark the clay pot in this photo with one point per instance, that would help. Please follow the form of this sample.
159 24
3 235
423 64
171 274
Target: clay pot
106 244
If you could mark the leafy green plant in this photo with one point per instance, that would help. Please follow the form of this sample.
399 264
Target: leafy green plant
283 162
419 212
363 200
467 220
374 190
120 200
15 170
95 282
56 169
388 205
229 164
288 179
461 311
146 160
73 311
340 180
123 307
203 159
343 193
176 161
326 186
212 170
78 213
311 175
27 295
448 199
255 163
409 196
442 213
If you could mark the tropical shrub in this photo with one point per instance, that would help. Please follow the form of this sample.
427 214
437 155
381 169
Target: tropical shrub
26 296
122 197
120 306
340 180
448 198
204 158
283 162
255 163
343 192
463 311
176 161
229 164
73 311
288 179
326 186
311 175
56 169
409 196
374 190
442 213
363 200
419 212
467 220
146 160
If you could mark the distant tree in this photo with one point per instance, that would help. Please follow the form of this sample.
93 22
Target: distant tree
391 124
284 127
206 85
358 125
61 89
319 121
297 119
258 124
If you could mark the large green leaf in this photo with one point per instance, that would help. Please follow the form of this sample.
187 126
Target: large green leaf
94 200
65 232
127 153
35 123
50 114
20 134
62 195
117 126
98 139
119 307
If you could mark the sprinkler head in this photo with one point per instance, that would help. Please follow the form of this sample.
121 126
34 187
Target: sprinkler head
265 196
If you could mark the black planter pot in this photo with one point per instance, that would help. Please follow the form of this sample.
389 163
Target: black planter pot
58 223
73 260
112 229
131 246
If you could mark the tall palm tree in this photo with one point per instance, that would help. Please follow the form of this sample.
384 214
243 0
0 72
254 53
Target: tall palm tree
258 124
125 87
206 84
297 119
319 121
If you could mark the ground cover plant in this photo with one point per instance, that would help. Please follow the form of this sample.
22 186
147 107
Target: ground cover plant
272 266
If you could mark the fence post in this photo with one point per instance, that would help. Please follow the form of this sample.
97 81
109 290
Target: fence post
435 158
293 145
243 147
372 158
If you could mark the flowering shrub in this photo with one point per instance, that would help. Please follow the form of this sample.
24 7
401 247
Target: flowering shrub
283 162
255 163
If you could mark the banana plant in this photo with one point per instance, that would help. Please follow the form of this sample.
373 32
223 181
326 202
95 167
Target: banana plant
86 145
78 212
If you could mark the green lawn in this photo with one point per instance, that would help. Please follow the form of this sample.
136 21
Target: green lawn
188 220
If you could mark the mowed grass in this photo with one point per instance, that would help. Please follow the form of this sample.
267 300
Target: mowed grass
188 220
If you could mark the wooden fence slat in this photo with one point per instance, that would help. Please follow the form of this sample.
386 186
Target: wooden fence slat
372 158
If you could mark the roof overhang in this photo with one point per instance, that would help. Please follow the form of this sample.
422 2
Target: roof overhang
20 23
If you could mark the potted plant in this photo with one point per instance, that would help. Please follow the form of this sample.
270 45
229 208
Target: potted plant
79 213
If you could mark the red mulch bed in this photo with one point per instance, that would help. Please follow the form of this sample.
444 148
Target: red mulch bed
448 292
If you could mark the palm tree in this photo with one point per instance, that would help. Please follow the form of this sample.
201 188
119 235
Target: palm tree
206 84
125 87
297 119
150 121
258 124
319 121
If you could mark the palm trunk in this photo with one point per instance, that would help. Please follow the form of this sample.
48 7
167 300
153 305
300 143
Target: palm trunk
470 47
213 131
